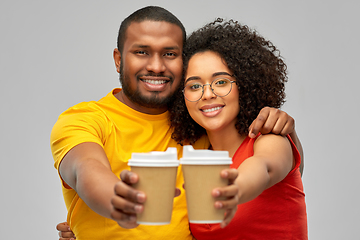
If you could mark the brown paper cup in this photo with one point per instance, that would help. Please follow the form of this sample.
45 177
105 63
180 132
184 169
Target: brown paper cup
200 180
201 170
157 173
158 183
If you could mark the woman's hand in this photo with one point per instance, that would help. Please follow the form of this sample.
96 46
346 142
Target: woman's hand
231 194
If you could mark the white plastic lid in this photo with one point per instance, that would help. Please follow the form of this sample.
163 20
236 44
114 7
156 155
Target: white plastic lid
204 157
155 159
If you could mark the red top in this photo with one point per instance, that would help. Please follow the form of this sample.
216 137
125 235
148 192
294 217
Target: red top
278 212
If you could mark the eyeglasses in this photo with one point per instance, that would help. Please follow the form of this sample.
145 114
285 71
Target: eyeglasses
194 91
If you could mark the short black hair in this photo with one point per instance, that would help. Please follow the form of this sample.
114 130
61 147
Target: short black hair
150 13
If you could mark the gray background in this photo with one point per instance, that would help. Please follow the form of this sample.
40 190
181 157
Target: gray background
54 54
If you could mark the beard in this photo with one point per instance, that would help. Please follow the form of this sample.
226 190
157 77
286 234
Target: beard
153 101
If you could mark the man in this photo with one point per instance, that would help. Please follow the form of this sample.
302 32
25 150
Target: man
91 142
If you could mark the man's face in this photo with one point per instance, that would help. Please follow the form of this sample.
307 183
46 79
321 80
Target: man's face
151 64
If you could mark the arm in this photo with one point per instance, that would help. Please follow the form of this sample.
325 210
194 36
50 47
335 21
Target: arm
273 120
271 162
86 169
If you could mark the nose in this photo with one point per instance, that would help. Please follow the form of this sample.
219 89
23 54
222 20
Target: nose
156 64
208 93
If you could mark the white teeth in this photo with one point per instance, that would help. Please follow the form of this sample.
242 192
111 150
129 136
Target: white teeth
156 82
211 109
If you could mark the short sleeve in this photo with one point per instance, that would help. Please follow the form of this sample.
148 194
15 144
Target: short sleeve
77 125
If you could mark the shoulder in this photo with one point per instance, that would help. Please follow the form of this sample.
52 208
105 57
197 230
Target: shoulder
82 118
98 107
271 139
271 143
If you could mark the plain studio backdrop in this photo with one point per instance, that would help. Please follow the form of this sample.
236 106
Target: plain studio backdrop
54 54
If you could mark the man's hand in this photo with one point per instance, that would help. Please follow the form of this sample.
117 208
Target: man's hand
127 201
231 194
272 120
65 232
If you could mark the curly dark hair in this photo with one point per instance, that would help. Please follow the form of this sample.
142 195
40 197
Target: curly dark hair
256 64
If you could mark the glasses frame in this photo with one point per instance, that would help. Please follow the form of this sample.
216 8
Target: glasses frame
212 90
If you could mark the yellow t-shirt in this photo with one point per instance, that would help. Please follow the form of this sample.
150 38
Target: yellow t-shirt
120 130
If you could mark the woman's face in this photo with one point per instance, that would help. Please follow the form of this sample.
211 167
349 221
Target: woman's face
212 112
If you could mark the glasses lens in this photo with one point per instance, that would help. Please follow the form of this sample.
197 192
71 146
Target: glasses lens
193 91
221 86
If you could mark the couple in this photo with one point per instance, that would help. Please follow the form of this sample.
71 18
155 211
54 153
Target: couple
225 87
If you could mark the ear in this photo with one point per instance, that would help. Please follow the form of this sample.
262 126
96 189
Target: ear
117 59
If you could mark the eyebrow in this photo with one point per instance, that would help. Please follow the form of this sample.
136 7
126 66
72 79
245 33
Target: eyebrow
147 46
213 75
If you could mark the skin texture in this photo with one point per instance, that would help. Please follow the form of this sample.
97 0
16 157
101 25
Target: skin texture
150 65
203 68
200 71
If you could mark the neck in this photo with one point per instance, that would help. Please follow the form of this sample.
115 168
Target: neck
226 140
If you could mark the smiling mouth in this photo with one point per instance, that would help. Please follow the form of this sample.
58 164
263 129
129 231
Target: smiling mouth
211 109
154 82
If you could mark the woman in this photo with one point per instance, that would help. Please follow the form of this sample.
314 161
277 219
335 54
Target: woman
231 73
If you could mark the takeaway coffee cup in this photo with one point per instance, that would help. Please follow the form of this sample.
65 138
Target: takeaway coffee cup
201 170
157 179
